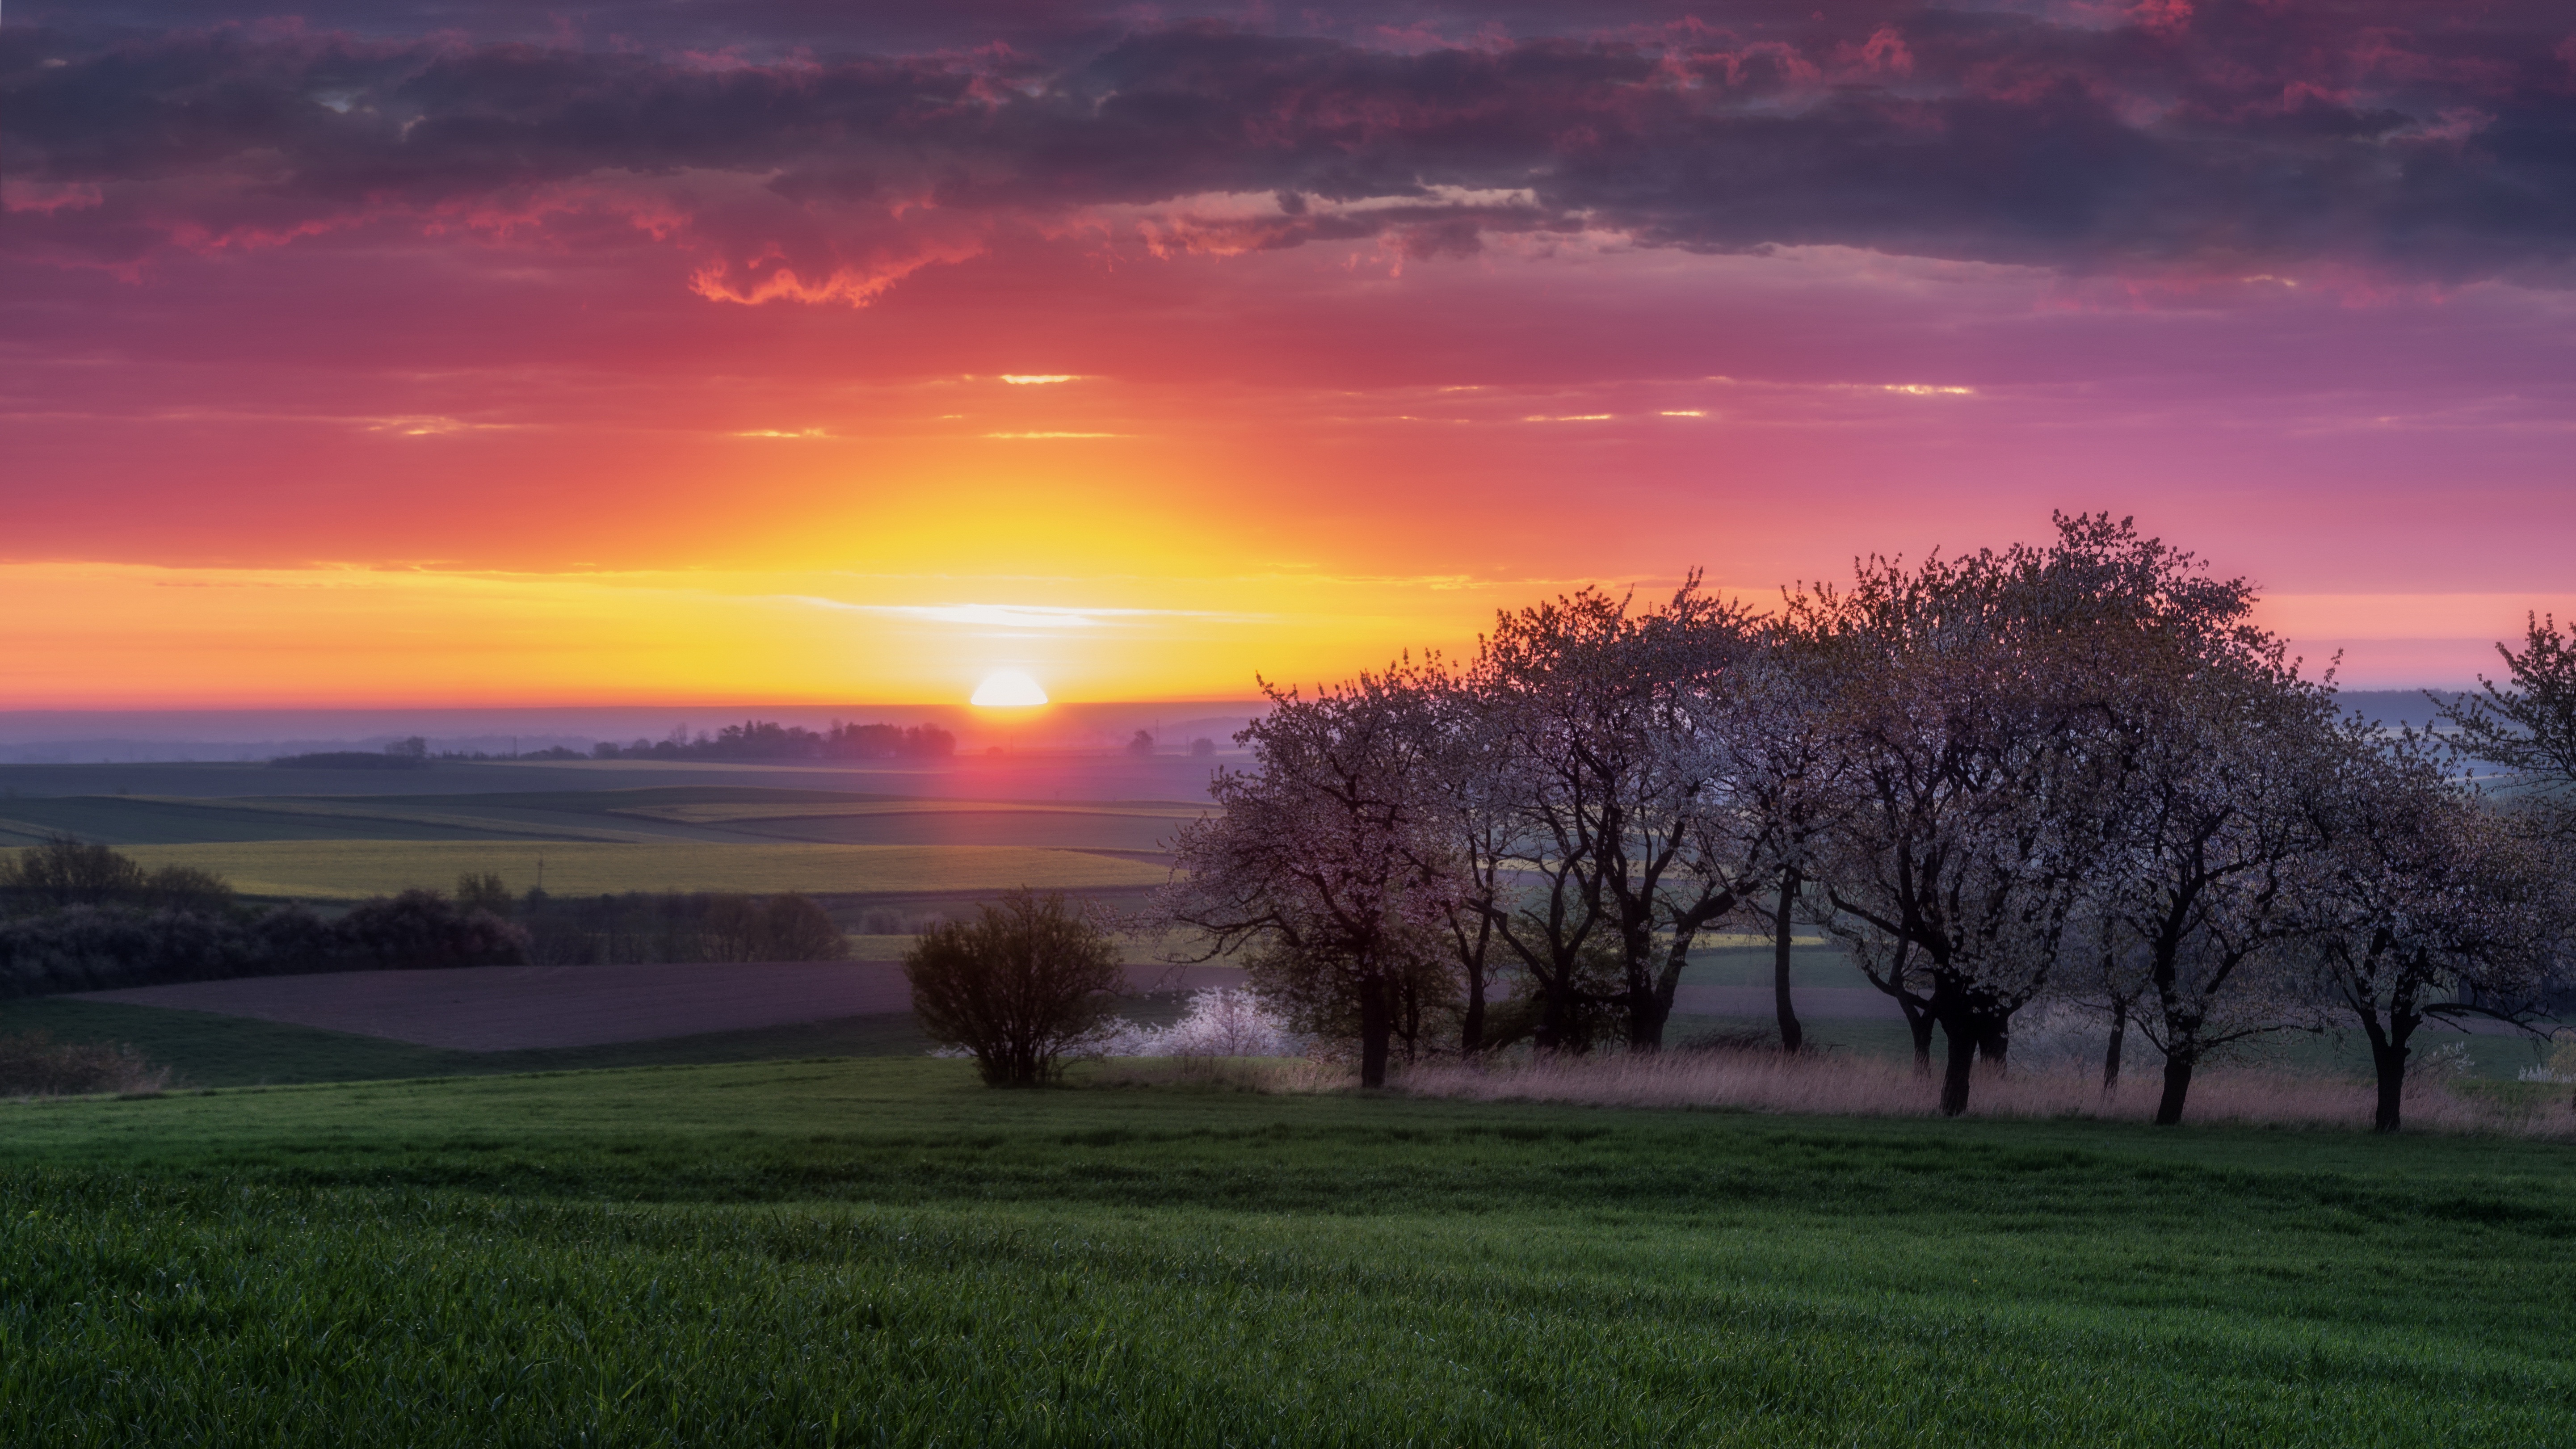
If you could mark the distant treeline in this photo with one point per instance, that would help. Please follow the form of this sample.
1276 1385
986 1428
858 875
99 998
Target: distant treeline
347 760
769 740
676 926
410 754
78 917
751 740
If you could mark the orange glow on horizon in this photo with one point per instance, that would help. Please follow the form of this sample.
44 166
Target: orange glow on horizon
109 636
97 636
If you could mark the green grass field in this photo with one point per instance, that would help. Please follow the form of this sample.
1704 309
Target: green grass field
879 1252
205 1050
323 870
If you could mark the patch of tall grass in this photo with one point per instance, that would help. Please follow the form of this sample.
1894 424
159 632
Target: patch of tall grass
1837 1084
33 1064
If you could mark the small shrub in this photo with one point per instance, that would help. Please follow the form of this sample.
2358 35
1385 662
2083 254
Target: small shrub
485 891
785 927
424 930
186 888
793 928
1018 988
66 871
292 940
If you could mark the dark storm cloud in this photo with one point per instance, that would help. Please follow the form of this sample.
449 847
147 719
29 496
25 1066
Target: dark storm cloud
2227 139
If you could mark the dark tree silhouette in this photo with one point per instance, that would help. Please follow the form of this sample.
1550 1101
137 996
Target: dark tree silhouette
1017 987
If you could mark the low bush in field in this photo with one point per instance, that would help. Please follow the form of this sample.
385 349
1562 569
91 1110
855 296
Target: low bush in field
35 1065
1023 988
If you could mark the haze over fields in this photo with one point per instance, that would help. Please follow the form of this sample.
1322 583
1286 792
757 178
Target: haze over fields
91 736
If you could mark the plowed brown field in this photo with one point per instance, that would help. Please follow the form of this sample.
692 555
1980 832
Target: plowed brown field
510 1008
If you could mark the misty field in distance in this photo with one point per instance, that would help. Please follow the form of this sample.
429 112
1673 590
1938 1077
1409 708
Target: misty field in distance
699 837
355 869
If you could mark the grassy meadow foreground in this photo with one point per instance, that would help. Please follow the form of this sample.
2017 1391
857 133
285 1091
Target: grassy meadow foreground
859 1251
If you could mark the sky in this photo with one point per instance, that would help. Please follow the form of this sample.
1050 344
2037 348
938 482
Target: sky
473 353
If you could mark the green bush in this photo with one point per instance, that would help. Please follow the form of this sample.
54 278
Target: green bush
1017 988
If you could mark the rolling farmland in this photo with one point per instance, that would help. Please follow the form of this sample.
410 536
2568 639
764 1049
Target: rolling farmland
744 837
711 813
354 869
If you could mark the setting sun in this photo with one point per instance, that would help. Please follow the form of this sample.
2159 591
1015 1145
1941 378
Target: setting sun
1008 689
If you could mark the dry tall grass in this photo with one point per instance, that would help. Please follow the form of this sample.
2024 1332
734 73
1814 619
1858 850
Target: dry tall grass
35 1065
1838 1085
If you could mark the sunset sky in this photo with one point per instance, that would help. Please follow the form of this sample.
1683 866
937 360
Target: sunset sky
494 353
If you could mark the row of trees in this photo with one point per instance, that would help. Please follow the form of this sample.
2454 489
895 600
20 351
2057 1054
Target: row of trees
2073 772
76 916
83 917
769 740
658 926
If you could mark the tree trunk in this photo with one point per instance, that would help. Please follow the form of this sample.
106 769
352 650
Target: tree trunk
1919 1022
2388 1053
2111 1053
1471 1031
1792 1037
2177 1086
1377 1025
2388 1060
1994 1041
1560 1019
1961 1066
1646 1017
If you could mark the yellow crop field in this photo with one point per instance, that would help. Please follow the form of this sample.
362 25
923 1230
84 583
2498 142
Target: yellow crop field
354 869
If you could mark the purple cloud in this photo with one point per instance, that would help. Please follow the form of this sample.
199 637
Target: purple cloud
2165 140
